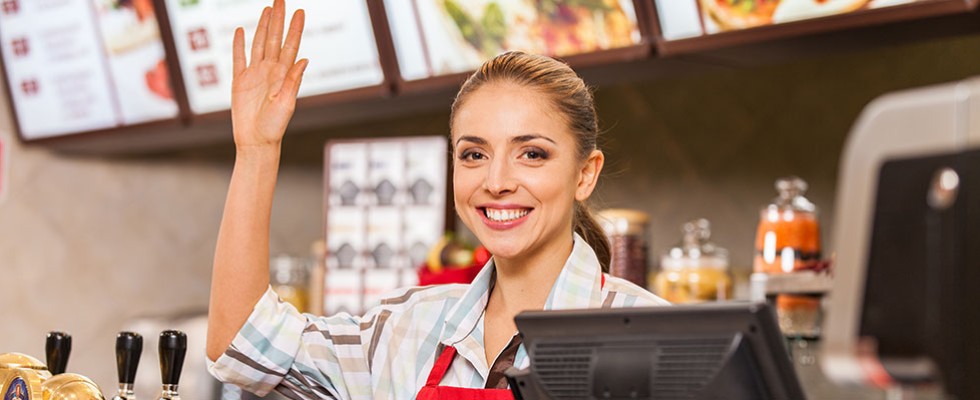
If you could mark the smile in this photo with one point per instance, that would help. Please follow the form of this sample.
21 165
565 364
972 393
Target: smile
502 215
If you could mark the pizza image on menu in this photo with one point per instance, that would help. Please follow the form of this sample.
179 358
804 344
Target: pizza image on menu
742 14
792 10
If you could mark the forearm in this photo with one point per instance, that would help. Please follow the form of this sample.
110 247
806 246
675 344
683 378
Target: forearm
241 259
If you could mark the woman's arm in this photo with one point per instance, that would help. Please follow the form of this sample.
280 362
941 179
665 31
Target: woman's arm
263 99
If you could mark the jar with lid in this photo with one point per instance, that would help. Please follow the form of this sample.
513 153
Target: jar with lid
695 270
788 237
289 277
627 233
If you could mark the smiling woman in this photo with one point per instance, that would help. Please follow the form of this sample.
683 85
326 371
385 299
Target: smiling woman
524 133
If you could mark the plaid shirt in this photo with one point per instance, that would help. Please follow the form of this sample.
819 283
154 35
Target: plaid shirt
388 352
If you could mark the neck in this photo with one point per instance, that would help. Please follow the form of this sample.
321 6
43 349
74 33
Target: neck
523 283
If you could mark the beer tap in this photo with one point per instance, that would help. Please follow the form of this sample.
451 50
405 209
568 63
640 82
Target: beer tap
61 384
57 348
173 346
129 346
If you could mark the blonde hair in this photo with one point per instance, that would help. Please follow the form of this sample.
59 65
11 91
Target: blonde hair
571 97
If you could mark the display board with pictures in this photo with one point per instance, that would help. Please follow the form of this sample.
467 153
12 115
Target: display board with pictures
338 39
385 207
444 37
684 19
74 66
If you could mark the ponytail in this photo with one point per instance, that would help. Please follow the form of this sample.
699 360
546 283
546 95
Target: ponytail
587 227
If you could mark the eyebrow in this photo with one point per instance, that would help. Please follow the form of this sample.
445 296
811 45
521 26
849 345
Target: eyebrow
473 139
530 137
516 139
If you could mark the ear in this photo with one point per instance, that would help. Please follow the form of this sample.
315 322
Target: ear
588 176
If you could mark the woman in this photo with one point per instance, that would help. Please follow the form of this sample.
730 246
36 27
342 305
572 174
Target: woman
523 130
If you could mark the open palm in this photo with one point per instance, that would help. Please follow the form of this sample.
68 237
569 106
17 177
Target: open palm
263 95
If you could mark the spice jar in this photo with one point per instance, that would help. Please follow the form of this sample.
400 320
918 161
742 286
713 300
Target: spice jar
788 237
695 270
627 232
290 280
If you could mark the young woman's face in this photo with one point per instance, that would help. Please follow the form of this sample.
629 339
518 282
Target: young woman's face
516 170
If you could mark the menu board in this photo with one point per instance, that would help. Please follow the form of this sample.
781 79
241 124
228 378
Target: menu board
681 19
81 65
441 37
338 40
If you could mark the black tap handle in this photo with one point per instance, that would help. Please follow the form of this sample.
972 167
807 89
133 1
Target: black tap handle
129 346
57 348
173 346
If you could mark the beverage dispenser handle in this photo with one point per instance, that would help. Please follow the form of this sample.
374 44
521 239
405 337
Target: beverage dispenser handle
173 346
57 348
129 347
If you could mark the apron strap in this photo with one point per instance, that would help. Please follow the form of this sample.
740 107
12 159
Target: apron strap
446 357
441 366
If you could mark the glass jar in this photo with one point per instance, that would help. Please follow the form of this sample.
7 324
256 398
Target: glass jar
627 232
788 237
695 270
290 280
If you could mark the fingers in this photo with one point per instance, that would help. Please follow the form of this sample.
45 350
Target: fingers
293 79
291 47
258 41
238 52
273 41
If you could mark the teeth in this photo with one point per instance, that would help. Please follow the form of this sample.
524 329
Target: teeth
504 215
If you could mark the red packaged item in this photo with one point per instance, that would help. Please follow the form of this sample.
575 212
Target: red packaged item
447 263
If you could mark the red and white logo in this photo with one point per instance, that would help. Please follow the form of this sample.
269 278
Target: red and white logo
207 75
21 47
10 7
198 39
30 87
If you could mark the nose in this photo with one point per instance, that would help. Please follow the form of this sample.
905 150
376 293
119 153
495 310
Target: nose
500 179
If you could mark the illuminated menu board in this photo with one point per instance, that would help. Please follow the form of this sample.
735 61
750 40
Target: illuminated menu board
338 40
682 19
82 65
441 37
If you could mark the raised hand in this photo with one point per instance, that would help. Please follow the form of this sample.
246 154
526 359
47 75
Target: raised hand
264 89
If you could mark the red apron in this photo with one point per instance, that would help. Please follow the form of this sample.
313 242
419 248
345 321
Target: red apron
432 390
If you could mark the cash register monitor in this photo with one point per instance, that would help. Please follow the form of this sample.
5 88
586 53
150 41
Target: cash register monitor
903 311
730 351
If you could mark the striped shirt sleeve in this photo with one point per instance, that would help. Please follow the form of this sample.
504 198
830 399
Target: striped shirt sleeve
299 355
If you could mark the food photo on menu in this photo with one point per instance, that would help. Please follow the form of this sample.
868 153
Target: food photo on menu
546 26
458 35
727 15
137 60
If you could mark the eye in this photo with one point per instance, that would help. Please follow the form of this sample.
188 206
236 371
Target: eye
471 155
535 154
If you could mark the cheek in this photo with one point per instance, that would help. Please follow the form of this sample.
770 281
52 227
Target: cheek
464 181
552 185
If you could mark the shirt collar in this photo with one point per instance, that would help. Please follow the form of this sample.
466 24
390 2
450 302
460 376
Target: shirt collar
579 285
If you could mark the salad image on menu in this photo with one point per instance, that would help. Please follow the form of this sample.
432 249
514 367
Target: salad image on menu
136 59
480 29
726 15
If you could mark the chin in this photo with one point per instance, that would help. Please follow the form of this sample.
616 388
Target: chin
503 247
